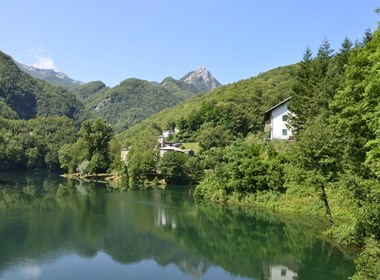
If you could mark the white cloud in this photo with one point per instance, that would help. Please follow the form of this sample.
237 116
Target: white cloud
31 271
43 61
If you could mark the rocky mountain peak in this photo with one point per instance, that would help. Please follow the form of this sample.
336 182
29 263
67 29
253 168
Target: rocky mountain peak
202 78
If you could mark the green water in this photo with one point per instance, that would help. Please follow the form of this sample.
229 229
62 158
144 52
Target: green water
52 228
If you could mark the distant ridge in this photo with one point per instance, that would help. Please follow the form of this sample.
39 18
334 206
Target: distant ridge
134 100
50 76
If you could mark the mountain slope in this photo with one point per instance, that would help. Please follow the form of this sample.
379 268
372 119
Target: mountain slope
238 105
89 91
134 100
50 76
24 97
179 88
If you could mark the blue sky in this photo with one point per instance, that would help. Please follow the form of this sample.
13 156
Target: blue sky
113 40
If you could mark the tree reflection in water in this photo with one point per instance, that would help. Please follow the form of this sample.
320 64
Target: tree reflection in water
44 217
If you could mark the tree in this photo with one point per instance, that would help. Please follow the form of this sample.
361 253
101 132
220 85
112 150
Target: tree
356 106
246 167
211 136
367 36
316 84
96 135
71 155
318 153
142 158
172 166
303 89
194 169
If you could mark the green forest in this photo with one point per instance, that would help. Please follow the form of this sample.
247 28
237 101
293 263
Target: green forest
331 167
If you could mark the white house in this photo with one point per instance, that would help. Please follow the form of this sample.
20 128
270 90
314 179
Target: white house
276 121
175 149
168 133
279 272
124 155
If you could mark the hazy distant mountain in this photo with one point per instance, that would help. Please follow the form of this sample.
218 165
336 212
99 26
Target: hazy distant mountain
202 79
50 76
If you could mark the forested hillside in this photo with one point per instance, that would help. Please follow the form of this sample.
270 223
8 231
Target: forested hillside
89 92
24 97
133 100
237 108
34 144
36 119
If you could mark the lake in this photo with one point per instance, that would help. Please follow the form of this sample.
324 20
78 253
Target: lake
53 228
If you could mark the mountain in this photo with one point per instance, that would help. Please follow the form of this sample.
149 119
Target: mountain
238 107
50 76
89 91
134 100
179 88
127 103
201 79
24 97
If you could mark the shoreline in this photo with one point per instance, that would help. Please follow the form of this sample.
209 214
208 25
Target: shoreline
101 177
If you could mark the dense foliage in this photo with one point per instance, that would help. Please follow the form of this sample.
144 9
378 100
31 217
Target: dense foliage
246 167
333 163
23 97
89 91
91 152
34 144
145 166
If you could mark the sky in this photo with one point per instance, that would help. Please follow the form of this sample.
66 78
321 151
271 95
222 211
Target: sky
112 40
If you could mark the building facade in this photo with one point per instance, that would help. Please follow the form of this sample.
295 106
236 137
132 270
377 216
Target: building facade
276 121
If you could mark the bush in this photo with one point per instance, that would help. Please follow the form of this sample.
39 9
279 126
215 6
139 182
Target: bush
172 167
368 262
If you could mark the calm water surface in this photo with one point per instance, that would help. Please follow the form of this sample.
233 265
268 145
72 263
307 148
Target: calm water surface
52 228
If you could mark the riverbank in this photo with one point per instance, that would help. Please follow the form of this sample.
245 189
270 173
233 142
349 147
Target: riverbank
101 177
308 202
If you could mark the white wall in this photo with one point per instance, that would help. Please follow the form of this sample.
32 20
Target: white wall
278 125
282 273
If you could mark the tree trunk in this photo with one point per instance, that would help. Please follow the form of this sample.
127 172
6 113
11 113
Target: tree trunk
328 211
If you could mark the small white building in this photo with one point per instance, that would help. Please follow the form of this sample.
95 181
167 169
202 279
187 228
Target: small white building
279 272
276 121
166 149
124 155
168 133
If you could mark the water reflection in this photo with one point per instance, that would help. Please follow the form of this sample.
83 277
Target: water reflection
47 222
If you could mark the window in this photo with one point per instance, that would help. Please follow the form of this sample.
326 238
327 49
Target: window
284 118
285 132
